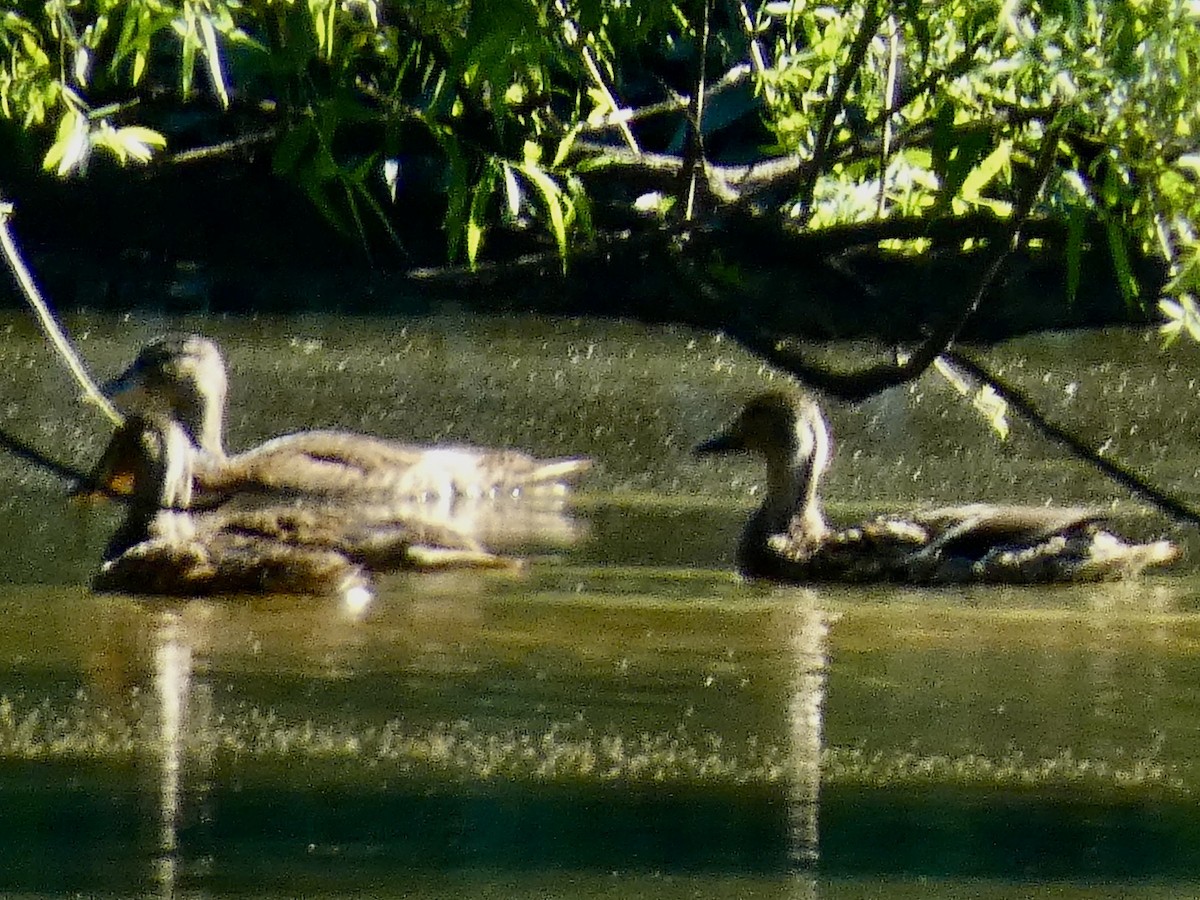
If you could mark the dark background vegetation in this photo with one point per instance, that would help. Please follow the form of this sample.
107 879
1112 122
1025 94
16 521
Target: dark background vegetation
557 157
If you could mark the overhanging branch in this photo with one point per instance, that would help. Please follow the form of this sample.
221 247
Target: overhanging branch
1024 406
857 386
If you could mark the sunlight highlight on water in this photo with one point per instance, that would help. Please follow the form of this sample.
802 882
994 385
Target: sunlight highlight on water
624 717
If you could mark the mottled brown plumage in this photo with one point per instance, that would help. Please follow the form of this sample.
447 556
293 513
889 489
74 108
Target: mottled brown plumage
788 539
164 547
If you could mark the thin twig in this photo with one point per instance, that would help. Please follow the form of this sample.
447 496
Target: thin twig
1027 409
837 102
571 30
889 97
50 326
694 161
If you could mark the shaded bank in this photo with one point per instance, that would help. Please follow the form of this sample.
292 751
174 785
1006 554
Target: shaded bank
235 239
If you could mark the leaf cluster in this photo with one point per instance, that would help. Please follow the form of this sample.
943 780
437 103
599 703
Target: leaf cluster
555 117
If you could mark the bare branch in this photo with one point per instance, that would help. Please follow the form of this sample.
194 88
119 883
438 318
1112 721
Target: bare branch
1027 409
856 386
50 327
694 162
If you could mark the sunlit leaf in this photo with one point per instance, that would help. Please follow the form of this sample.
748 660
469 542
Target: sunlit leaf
1181 315
477 218
552 202
69 151
83 64
512 191
390 172
1189 161
984 173
565 145
136 142
212 54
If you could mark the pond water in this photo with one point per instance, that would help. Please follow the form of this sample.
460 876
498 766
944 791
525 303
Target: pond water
625 718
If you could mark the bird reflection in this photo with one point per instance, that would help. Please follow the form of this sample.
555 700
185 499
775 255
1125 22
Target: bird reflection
806 709
172 687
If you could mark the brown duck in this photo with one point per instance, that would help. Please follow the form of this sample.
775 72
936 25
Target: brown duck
788 539
184 378
164 547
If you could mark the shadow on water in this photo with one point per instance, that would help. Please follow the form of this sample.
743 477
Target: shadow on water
626 718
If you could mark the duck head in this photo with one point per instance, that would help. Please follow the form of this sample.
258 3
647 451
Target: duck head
179 377
158 455
790 432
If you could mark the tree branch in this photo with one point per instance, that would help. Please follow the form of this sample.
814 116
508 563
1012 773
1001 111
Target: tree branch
858 52
857 386
50 327
1018 400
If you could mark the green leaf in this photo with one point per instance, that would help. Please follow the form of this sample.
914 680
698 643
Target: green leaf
1126 280
983 174
1076 219
552 202
512 191
71 145
212 54
477 217
1181 315
293 148
132 142
1189 161
457 189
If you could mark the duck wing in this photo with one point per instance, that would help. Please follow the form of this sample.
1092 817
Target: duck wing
372 535
973 530
340 463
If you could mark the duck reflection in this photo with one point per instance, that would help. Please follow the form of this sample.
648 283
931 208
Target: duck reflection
172 682
806 709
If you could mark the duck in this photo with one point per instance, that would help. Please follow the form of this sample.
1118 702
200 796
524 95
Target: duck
789 540
166 547
184 377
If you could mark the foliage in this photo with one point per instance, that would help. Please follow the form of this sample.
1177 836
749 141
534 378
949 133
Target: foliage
523 108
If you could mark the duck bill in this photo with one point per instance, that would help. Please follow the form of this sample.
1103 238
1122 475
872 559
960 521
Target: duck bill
722 443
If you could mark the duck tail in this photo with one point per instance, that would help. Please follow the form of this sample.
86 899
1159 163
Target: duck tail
544 478
1120 559
565 469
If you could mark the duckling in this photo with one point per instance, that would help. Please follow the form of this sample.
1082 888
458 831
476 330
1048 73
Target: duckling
184 377
788 539
165 547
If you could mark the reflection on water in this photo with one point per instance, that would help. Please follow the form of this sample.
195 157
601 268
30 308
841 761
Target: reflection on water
805 710
172 690
625 718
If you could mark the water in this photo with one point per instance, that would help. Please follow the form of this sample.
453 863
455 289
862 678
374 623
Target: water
626 718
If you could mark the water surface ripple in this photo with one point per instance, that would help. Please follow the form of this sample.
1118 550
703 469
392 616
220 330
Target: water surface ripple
627 718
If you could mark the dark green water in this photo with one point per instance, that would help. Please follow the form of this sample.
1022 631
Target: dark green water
626 718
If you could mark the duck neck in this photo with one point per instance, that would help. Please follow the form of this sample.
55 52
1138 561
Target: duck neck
203 416
163 487
792 502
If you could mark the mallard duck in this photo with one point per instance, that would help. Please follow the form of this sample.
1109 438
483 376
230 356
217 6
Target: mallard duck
184 378
164 547
788 538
